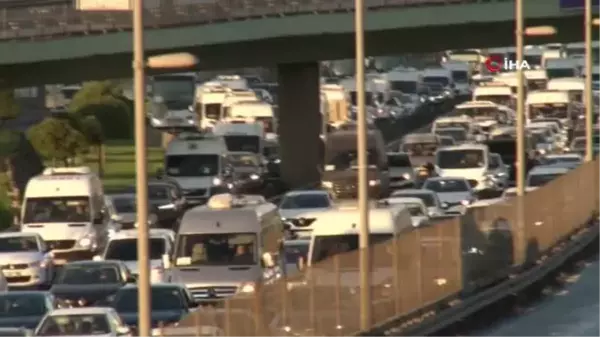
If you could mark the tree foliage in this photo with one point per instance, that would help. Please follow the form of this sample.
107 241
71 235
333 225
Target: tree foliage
9 109
103 101
57 139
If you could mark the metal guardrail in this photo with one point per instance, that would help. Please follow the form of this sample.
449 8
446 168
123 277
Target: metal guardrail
418 274
20 19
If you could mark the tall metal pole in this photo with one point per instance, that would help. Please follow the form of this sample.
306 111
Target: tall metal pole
363 187
521 164
139 65
589 104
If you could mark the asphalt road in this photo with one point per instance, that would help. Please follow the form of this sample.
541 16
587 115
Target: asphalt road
570 311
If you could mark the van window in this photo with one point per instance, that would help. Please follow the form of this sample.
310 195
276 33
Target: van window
560 72
498 99
126 249
399 160
460 76
443 80
461 159
216 249
347 159
242 143
212 110
459 135
196 165
419 149
407 87
548 110
325 247
57 209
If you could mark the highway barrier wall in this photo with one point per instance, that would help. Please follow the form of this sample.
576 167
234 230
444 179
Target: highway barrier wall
416 275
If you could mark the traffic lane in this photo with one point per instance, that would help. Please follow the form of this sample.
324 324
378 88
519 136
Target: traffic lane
572 311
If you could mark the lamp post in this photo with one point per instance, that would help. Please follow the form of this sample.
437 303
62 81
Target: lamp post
589 102
363 188
167 61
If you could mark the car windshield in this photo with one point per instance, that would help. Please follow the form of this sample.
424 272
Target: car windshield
216 249
349 159
124 204
97 273
452 124
294 252
200 165
126 249
240 143
536 180
161 298
478 112
558 160
447 186
460 159
420 149
437 79
243 160
555 111
19 244
20 305
457 134
407 87
74 325
57 209
158 192
328 246
427 198
399 160
301 201
460 76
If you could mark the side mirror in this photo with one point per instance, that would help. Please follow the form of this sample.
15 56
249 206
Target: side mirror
445 205
131 279
166 261
123 331
268 260
300 263
97 258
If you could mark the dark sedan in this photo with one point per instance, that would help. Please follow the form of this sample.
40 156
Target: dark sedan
90 283
24 309
170 303
166 200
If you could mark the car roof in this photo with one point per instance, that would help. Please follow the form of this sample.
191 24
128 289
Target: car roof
411 191
88 262
404 200
19 234
548 169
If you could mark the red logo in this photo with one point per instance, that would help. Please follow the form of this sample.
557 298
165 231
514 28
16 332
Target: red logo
494 63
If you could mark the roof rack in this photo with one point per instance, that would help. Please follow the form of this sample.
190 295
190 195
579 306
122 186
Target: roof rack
67 170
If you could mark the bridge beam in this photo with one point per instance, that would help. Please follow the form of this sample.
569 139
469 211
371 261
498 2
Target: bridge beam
299 123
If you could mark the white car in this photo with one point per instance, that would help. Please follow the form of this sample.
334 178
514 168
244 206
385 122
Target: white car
429 198
26 260
455 193
295 204
541 175
123 246
90 321
416 207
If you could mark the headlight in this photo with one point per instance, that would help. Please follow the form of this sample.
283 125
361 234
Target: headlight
156 332
167 206
254 176
466 202
375 182
406 176
217 181
156 121
85 242
247 288
327 184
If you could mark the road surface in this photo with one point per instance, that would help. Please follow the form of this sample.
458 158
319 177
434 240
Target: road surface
571 311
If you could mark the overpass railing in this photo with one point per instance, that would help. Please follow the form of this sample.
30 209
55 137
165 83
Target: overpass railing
415 275
42 19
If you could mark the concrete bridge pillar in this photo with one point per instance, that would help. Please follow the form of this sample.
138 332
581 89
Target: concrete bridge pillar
299 123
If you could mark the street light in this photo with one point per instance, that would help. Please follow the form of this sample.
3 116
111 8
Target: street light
177 60
363 188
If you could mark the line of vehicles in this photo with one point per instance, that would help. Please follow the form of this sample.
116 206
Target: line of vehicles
213 235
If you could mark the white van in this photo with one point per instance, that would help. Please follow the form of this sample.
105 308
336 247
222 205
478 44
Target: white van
234 97
440 76
65 206
550 104
461 75
537 79
533 55
469 161
255 112
196 162
558 68
241 137
209 102
498 93
227 246
408 81
337 231
575 86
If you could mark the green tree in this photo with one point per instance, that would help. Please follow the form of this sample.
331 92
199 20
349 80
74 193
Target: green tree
57 139
92 131
9 144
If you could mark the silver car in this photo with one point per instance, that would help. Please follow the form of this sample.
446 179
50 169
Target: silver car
26 260
454 193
